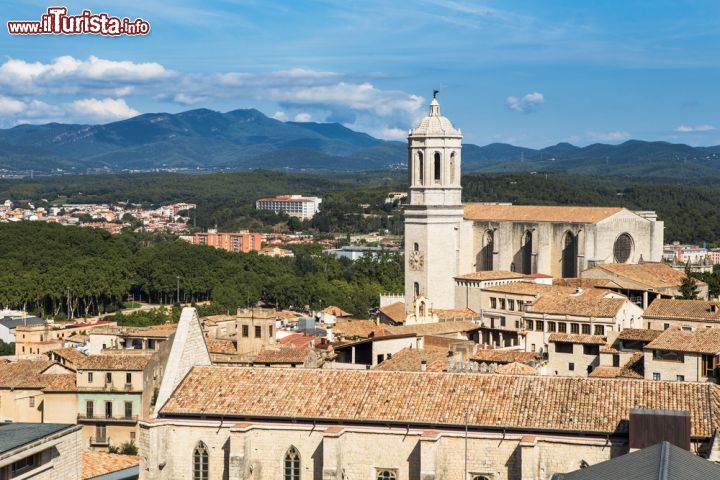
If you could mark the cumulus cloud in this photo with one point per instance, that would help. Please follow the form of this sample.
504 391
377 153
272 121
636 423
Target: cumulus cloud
616 136
525 104
303 117
390 133
67 74
280 115
698 128
102 110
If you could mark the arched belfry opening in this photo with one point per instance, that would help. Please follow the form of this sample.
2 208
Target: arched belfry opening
437 168
420 168
484 261
526 253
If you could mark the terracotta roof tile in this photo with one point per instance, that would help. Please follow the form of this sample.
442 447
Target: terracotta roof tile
491 275
116 361
336 311
670 308
516 368
643 334
395 312
605 372
59 382
283 354
650 274
704 340
454 313
221 346
538 213
355 328
570 404
436 328
410 360
72 355
503 356
582 306
578 338
95 464
24 373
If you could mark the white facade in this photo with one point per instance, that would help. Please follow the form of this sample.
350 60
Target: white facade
304 208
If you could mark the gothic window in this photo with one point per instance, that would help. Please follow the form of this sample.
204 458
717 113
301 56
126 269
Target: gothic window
623 248
416 288
292 464
452 167
485 262
420 168
526 253
200 462
569 256
416 247
386 475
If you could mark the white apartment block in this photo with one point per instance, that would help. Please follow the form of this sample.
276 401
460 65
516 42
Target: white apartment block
304 208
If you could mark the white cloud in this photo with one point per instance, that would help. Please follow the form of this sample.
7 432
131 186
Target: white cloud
616 136
106 109
698 128
67 74
10 106
184 99
303 117
280 115
525 104
390 133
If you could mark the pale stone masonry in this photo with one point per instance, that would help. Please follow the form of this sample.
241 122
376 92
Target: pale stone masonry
40 451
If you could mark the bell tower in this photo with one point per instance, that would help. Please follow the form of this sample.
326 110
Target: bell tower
434 214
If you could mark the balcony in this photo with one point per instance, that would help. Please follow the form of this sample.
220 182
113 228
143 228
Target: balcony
109 387
103 418
99 441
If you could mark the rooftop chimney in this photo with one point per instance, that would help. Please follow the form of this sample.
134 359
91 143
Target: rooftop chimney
423 365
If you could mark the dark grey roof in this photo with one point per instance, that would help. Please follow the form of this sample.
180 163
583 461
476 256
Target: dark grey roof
12 322
14 435
663 461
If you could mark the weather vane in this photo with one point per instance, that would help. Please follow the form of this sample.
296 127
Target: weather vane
435 92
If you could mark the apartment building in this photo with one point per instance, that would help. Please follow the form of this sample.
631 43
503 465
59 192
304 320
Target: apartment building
229 241
689 315
298 206
41 338
690 356
149 339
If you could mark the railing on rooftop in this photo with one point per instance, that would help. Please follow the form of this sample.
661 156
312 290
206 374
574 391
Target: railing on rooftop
101 417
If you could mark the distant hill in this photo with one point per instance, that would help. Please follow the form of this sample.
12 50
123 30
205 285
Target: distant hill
243 139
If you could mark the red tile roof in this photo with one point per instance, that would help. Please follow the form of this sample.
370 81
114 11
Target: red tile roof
96 464
410 360
568 404
491 275
503 356
670 308
704 340
578 338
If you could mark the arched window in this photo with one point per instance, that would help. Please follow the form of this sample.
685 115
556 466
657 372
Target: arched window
569 256
200 462
438 166
480 477
386 475
452 167
416 247
526 253
622 250
292 464
416 289
420 169
485 258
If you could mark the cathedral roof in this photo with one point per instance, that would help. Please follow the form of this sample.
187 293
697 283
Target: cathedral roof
435 125
538 213
590 405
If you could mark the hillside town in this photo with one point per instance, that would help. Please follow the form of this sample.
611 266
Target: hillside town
586 317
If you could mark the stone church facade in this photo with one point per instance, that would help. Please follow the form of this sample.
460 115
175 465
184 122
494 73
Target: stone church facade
445 238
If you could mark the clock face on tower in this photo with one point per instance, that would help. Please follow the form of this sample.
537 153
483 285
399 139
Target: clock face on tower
416 261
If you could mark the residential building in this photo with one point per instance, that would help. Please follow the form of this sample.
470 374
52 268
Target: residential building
373 351
11 320
41 338
112 394
686 356
643 282
256 328
577 314
229 241
149 339
41 451
304 208
352 252
664 313
573 355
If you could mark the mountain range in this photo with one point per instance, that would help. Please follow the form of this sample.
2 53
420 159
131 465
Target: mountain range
244 139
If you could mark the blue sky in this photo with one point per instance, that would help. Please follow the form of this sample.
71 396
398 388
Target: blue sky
524 72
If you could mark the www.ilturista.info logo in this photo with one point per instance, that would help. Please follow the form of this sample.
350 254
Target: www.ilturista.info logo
57 22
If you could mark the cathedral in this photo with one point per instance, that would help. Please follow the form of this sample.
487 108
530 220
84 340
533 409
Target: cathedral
445 238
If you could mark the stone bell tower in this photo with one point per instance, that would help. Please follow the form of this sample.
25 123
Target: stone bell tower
434 215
